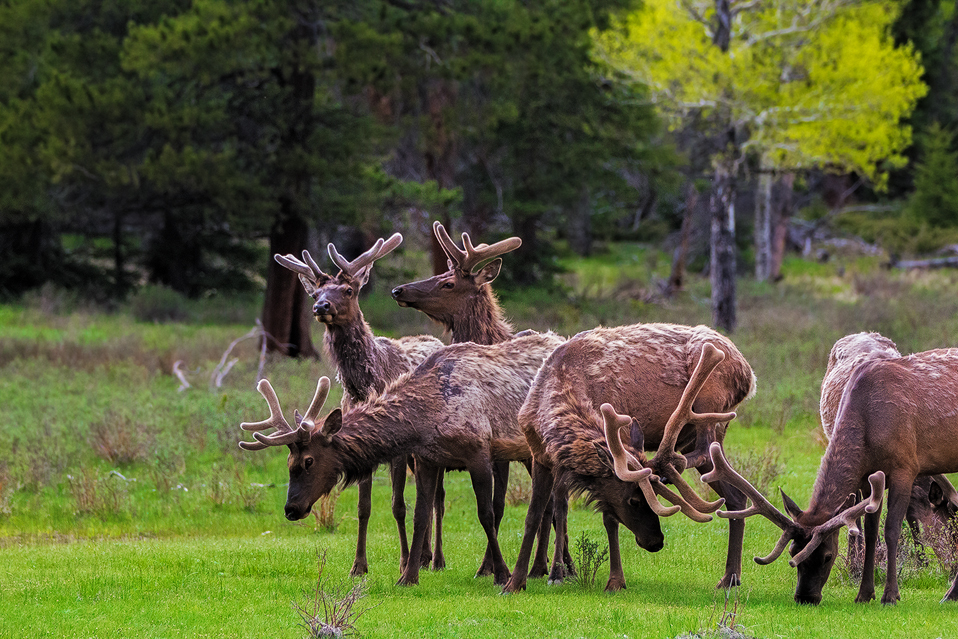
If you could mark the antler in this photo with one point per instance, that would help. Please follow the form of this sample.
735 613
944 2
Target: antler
307 268
723 471
285 434
846 517
647 482
761 506
473 255
683 414
380 249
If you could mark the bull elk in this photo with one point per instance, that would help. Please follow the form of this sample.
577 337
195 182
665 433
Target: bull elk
456 410
463 302
644 372
933 502
897 420
365 363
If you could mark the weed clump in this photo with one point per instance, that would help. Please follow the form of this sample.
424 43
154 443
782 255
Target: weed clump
589 559
330 611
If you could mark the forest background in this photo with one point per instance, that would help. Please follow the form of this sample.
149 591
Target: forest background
181 143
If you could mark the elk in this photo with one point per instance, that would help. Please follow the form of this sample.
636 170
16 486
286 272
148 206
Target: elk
581 449
897 420
462 301
642 371
456 410
365 363
934 501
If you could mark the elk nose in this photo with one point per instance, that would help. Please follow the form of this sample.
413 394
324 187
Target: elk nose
321 308
397 292
812 599
293 514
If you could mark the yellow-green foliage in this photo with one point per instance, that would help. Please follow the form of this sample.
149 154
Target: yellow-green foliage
813 86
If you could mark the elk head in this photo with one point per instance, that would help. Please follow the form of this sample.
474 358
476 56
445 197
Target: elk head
336 298
813 548
313 471
452 294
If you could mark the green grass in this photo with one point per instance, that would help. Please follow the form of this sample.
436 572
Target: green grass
191 541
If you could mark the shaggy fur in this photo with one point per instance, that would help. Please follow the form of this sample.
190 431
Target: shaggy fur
898 415
642 371
456 410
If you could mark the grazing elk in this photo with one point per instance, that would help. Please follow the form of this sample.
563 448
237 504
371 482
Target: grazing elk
462 300
643 371
365 363
579 449
934 501
898 418
456 410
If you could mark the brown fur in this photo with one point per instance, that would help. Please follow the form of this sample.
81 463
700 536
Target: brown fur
641 370
458 410
898 415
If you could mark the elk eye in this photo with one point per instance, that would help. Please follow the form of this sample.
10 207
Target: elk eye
349 292
828 558
308 462
448 285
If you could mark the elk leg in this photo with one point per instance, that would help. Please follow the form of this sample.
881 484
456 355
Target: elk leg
427 476
540 563
616 574
397 475
561 560
500 475
866 589
542 482
482 486
899 494
439 508
360 565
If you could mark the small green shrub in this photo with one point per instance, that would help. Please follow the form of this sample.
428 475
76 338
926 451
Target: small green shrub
589 558
159 304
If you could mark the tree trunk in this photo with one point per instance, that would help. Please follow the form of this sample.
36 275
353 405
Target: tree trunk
722 271
579 229
677 275
763 225
780 234
287 312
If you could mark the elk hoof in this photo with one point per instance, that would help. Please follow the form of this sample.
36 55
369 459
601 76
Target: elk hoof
864 597
890 599
513 586
615 585
728 581
406 580
502 579
359 569
439 562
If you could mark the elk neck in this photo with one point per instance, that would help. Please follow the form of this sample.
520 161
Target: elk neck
358 359
841 473
483 323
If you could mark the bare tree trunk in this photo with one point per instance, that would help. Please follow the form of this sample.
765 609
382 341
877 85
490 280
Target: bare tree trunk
679 255
579 229
763 225
440 154
722 271
287 316
780 234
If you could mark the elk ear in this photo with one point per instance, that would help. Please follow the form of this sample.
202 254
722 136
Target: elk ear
604 456
308 285
790 506
363 275
489 272
935 495
332 425
637 436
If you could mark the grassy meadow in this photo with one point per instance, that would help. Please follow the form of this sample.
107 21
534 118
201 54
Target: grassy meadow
127 509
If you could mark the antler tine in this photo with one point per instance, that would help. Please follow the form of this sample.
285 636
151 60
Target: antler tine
475 255
364 260
614 423
284 433
846 517
319 399
723 471
683 413
293 264
951 495
389 246
687 509
453 252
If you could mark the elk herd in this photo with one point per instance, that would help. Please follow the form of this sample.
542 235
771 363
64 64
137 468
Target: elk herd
581 413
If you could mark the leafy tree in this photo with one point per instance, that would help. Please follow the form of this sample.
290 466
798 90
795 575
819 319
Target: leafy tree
797 84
